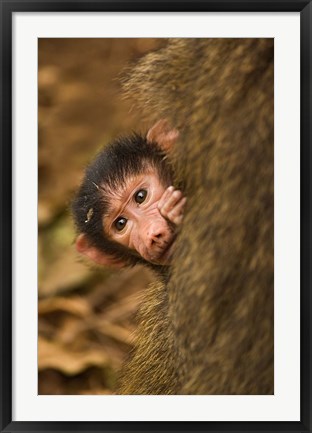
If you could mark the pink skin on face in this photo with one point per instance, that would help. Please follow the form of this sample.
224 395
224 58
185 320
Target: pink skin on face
138 217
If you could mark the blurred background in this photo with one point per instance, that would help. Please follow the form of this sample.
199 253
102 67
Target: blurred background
86 314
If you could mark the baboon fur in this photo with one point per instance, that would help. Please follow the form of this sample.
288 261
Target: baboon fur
209 328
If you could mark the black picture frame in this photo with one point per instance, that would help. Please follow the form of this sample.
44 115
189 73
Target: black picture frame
7 9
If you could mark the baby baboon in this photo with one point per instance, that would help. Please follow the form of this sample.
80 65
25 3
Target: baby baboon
126 210
209 329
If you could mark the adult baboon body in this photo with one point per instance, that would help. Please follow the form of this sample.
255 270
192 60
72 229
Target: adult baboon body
209 328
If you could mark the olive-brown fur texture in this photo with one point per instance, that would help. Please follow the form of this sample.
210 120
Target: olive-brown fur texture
209 328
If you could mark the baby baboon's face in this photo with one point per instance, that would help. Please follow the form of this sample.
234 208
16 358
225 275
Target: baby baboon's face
135 220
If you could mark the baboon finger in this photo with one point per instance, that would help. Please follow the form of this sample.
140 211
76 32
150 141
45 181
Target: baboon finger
176 214
165 197
171 202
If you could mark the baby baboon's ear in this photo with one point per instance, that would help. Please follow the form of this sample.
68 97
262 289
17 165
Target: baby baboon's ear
163 134
83 246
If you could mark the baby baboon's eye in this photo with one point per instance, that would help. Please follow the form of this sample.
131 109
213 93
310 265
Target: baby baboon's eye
140 195
120 223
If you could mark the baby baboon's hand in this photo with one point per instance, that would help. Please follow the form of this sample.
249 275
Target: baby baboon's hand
171 205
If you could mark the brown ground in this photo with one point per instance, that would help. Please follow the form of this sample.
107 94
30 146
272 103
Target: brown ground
85 315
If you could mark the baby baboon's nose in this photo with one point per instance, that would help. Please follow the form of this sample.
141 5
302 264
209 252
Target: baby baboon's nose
156 234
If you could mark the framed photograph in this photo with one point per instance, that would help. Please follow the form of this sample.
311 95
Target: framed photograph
156 216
